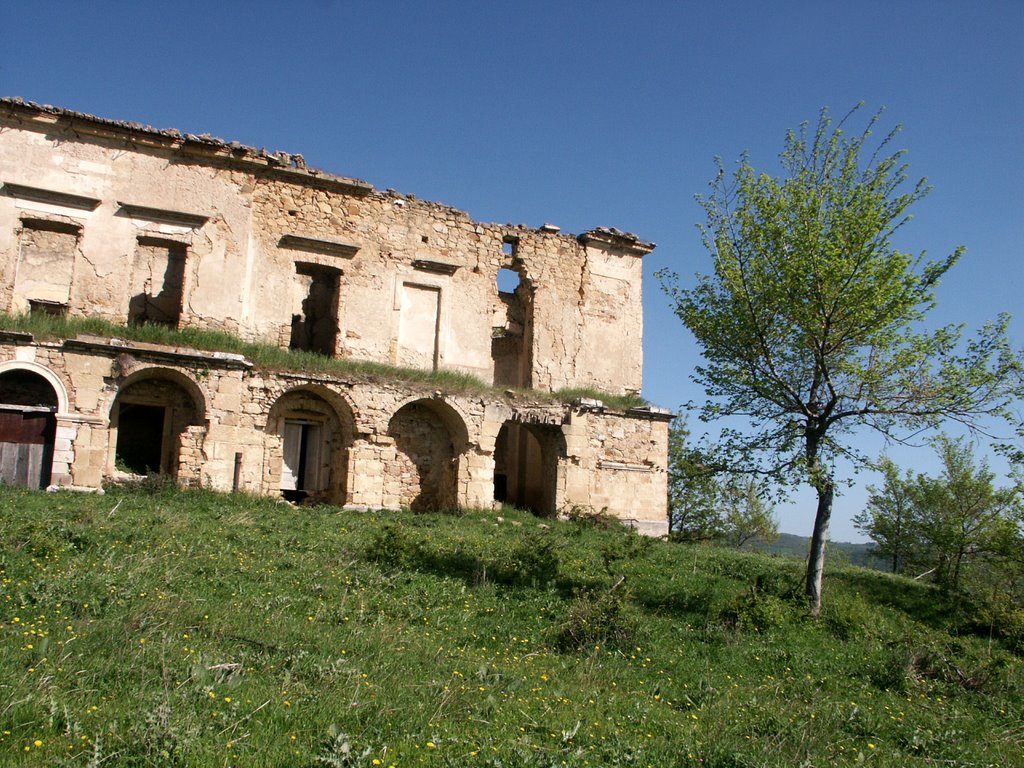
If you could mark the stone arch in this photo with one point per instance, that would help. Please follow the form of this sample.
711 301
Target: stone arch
430 438
529 466
311 430
157 425
30 398
54 381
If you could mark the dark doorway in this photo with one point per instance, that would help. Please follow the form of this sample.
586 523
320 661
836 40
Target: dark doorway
28 426
140 438
302 441
526 460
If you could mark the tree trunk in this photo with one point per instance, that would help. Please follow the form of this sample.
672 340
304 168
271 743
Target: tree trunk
816 557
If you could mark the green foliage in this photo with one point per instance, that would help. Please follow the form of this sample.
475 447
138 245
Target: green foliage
704 507
200 629
810 321
888 519
597 620
958 527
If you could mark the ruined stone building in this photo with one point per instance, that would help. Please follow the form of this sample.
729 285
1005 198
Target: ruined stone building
134 225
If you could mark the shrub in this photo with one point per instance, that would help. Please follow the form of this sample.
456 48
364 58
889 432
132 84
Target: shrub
598 618
532 561
392 546
758 613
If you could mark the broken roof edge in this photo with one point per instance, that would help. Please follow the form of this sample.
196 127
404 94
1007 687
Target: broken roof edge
277 164
616 238
290 167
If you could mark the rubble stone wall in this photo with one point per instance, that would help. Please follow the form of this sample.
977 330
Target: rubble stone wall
136 225
387 445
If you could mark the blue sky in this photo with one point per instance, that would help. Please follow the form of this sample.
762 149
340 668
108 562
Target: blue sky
579 114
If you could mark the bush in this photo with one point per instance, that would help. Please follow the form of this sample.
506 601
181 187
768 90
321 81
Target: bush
847 617
393 547
601 618
758 613
532 561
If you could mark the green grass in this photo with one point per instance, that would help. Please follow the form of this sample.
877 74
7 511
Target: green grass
190 628
271 357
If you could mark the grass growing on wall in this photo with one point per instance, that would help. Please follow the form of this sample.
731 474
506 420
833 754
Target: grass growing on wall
159 627
263 356
271 357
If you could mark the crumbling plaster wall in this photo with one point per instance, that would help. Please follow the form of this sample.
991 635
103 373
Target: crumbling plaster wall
235 220
122 181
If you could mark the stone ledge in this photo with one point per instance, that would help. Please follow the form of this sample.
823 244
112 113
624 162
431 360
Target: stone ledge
158 352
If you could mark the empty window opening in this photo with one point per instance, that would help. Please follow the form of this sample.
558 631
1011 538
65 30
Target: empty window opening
140 439
526 467
508 280
315 309
158 277
302 444
508 246
27 429
46 264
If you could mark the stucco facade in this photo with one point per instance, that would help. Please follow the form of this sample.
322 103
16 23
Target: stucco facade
134 225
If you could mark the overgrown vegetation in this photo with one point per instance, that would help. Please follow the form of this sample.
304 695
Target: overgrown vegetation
958 529
271 357
707 504
159 627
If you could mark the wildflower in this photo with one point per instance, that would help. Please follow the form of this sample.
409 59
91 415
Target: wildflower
431 745
37 743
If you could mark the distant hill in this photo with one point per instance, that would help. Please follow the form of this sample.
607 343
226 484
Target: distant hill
838 551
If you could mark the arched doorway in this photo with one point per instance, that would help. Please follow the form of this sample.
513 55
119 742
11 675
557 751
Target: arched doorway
429 439
526 466
28 426
309 461
150 415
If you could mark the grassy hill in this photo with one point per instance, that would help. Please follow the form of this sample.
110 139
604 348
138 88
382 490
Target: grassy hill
160 627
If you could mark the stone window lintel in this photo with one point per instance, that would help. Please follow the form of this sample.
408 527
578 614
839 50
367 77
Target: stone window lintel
318 245
63 199
163 216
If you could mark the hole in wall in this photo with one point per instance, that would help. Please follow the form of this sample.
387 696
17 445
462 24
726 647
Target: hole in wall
508 280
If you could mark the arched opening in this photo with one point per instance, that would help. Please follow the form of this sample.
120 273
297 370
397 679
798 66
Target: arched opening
526 471
429 438
28 427
314 428
151 413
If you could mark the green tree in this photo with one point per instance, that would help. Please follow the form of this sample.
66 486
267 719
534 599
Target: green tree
889 518
961 516
703 507
810 323
747 514
693 491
